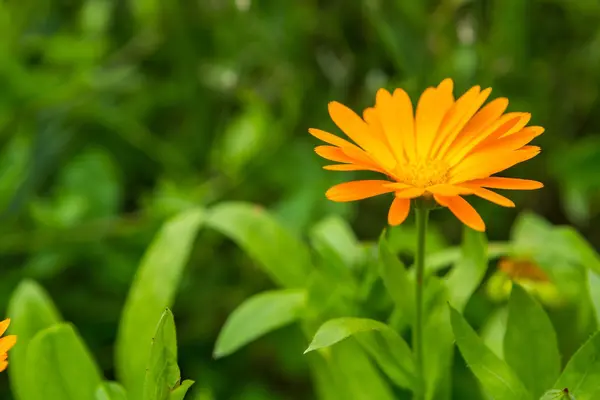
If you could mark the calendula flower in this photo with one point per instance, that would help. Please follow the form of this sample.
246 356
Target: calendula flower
529 275
446 150
6 343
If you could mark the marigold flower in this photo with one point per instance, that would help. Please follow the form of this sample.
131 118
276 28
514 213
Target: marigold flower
529 275
448 149
6 343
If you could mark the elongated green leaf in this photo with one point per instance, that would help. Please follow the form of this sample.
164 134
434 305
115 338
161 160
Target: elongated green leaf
257 316
110 391
530 343
337 234
395 362
396 280
180 391
593 281
284 258
581 376
152 290
468 272
162 373
61 366
387 348
496 378
31 311
355 375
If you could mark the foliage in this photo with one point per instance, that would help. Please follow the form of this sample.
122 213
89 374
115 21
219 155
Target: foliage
116 116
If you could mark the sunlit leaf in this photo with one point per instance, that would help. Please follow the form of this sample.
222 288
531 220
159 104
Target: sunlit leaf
284 258
31 310
62 366
496 378
581 376
530 343
257 316
152 291
337 234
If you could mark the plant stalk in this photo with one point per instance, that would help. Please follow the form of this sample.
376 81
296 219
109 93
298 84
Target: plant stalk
422 215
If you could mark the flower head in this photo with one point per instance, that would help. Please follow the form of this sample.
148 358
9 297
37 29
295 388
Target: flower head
6 343
446 150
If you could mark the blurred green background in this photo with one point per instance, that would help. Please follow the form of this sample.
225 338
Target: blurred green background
116 114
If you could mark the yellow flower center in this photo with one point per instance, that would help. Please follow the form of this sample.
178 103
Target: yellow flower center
424 173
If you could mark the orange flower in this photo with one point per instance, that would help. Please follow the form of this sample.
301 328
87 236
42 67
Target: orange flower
449 149
6 343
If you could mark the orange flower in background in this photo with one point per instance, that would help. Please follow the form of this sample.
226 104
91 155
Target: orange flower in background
447 149
6 343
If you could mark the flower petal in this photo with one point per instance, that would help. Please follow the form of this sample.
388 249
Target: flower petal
457 117
475 141
463 211
333 153
396 115
410 193
399 210
431 109
4 325
515 140
7 342
357 190
329 138
448 190
3 365
498 182
349 167
358 130
493 197
484 164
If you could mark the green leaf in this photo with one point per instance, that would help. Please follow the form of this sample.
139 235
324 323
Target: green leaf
284 258
530 343
61 367
110 391
494 330
388 349
260 314
355 375
152 291
593 281
396 280
468 272
394 360
162 373
335 232
31 310
496 378
557 394
180 391
581 376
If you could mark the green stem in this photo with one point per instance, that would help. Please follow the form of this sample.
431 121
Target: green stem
422 214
